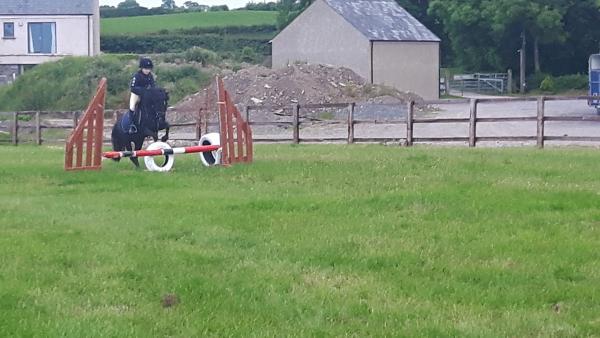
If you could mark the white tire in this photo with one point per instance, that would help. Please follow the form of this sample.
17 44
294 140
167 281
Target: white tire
210 158
151 163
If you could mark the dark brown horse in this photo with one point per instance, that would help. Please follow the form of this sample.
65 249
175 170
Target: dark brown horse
152 110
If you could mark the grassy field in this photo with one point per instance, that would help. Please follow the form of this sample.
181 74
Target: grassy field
155 23
307 241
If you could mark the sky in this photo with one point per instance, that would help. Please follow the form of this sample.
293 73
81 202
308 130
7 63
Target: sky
155 3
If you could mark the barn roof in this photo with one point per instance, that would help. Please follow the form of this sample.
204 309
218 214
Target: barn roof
46 7
382 20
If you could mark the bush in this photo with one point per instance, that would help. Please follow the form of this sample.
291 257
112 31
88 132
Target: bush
575 81
220 8
174 73
262 6
170 57
547 84
184 87
228 30
170 43
201 55
248 55
47 85
564 83
112 12
68 84
534 81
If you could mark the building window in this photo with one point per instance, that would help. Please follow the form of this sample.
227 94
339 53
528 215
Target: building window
9 30
42 37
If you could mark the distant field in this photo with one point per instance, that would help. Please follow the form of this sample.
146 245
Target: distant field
309 241
149 24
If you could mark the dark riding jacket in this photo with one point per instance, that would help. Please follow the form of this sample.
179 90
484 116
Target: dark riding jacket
141 81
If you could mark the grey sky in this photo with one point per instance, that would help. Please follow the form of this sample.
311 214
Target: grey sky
156 3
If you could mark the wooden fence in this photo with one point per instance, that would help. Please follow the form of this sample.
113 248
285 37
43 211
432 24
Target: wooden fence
408 123
33 121
405 125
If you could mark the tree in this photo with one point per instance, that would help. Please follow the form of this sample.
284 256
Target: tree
417 8
582 39
128 4
469 32
168 4
538 20
221 8
262 6
488 33
191 5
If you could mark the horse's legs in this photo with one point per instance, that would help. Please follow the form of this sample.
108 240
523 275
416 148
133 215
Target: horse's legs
133 159
148 132
166 137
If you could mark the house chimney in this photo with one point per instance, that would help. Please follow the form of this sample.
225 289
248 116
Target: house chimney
96 27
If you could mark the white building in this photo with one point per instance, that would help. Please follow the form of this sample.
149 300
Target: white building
37 31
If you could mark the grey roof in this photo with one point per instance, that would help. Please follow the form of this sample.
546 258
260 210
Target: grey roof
382 20
46 7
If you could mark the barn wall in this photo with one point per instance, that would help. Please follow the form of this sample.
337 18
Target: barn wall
321 36
408 66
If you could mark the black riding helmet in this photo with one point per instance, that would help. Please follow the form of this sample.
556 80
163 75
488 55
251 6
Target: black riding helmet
146 63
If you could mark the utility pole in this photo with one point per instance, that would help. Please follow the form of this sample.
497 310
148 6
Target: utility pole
523 64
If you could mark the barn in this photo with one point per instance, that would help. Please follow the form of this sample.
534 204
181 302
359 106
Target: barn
378 39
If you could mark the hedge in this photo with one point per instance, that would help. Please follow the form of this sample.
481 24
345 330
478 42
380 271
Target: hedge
262 29
180 42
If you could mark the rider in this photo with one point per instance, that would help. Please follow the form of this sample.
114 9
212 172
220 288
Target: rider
142 79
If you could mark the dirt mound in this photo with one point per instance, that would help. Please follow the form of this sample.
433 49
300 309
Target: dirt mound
299 83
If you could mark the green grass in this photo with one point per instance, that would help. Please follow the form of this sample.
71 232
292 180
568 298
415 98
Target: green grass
307 241
155 23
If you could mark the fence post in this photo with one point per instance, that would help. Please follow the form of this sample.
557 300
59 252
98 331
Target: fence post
409 123
75 119
509 81
351 123
296 124
206 119
473 124
38 129
199 123
540 121
15 129
247 114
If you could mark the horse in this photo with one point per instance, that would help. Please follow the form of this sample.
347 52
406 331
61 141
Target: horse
151 112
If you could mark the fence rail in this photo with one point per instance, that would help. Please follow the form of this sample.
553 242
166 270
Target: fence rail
409 122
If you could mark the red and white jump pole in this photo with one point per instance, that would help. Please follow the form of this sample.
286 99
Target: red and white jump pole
160 151
208 147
